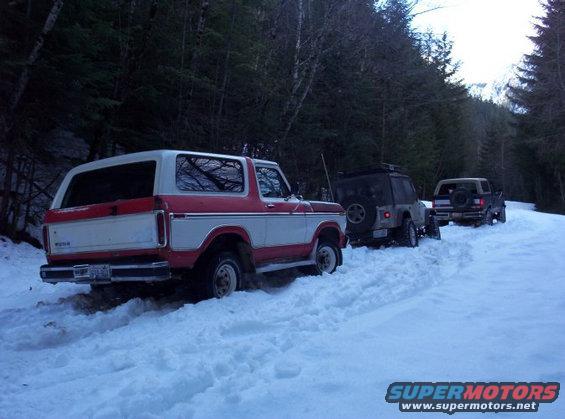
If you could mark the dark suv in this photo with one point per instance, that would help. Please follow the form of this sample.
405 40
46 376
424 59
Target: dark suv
468 200
381 205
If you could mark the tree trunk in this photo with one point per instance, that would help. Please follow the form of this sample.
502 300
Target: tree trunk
204 5
181 69
29 194
7 120
23 80
7 184
383 131
225 76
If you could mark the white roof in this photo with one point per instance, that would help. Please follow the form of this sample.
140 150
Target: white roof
265 162
143 155
164 159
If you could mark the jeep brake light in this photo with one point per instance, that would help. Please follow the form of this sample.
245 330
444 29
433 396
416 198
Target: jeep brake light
386 214
46 238
481 202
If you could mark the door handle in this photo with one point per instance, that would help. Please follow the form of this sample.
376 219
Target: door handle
270 205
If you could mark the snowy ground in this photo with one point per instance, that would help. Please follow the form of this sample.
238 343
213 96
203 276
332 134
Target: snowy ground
485 304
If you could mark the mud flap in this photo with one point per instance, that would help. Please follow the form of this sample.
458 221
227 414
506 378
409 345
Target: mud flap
432 228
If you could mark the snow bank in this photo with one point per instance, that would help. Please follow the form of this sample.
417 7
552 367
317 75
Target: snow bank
483 304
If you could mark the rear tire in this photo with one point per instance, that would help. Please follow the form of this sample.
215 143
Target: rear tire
360 212
407 234
432 229
328 256
220 275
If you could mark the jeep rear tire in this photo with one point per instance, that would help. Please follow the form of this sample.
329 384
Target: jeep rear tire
221 275
432 228
407 235
361 213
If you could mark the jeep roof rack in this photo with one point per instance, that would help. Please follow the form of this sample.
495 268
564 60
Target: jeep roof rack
368 170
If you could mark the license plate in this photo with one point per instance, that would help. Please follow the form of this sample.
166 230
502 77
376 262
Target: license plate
379 234
92 272
99 271
457 214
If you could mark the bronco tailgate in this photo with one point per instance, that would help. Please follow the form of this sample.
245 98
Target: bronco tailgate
122 232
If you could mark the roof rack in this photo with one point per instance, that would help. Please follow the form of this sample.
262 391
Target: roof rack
376 168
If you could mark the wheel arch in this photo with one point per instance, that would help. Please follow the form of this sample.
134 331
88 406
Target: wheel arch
234 239
329 231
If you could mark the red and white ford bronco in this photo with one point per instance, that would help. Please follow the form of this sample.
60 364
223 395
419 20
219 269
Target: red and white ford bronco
161 215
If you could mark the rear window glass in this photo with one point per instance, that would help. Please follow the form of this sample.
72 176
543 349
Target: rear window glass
375 187
447 188
403 189
206 174
485 187
126 181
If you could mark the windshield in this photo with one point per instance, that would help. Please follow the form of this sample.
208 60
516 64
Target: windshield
126 181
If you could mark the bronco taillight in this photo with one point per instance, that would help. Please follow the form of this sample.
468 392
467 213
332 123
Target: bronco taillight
45 232
159 204
161 234
481 202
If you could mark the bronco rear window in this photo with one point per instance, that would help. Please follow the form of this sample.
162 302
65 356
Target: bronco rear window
209 174
126 181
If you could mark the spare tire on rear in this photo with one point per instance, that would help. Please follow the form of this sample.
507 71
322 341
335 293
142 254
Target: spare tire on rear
360 212
461 198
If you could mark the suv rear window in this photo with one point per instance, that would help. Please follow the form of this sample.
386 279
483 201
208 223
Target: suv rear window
126 181
404 192
375 187
447 188
485 187
208 174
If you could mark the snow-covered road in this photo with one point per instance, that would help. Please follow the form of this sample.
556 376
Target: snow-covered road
485 304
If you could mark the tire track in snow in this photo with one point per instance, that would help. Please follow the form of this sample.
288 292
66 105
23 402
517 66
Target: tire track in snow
145 357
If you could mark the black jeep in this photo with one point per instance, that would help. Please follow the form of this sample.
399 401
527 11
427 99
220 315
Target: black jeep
468 200
381 205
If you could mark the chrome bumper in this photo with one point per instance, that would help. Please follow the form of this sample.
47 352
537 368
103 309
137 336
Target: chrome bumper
106 273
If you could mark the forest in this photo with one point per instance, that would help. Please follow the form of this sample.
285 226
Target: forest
285 80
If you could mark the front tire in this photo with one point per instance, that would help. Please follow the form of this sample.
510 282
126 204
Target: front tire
221 276
407 234
328 256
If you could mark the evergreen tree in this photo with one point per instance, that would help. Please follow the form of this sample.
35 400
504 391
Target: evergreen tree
539 101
